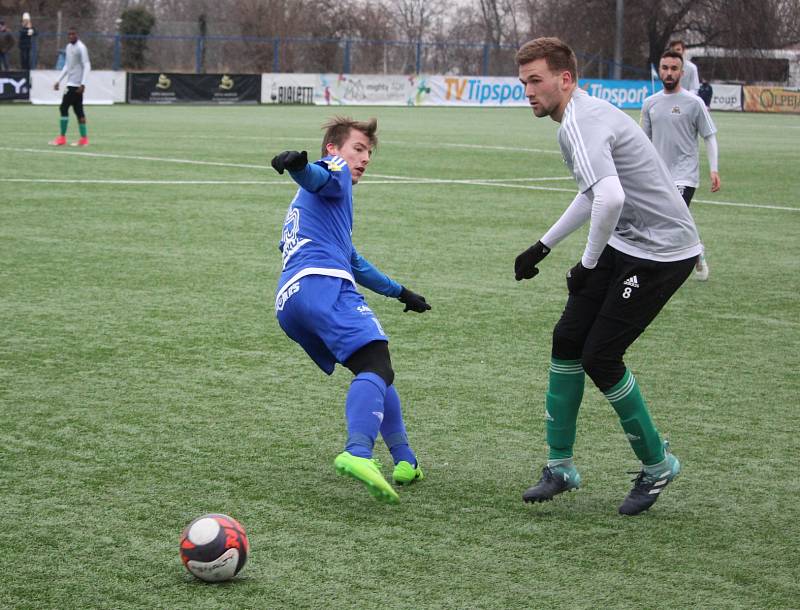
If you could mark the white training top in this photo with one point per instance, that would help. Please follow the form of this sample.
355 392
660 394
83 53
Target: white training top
77 66
673 121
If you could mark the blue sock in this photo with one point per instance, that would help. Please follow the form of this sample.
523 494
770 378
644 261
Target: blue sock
364 413
393 430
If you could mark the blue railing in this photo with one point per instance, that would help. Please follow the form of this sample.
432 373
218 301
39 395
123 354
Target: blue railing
253 54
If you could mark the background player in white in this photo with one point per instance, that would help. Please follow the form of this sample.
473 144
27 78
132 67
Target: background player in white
673 119
76 69
641 247
690 80
318 306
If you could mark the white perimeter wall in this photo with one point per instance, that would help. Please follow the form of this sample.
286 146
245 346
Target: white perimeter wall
102 87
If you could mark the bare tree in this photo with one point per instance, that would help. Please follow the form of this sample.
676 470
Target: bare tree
788 12
414 20
502 25
661 20
468 37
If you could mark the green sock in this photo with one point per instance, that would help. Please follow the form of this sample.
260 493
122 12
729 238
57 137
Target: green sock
64 121
564 395
82 129
629 404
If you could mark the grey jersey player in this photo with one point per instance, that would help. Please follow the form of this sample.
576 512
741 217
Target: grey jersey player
600 143
76 69
673 119
690 79
641 247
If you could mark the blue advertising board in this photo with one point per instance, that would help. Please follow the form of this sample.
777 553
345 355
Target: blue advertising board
622 93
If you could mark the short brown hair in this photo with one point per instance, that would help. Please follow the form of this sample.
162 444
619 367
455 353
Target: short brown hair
673 55
337 130
558 55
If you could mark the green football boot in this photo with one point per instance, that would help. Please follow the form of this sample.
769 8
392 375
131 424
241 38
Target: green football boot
405 474
368 472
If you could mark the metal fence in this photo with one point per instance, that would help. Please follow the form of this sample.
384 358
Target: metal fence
253 55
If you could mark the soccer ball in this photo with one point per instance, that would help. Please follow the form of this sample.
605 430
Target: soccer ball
214 547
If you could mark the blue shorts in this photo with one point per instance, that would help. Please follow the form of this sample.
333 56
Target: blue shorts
329 318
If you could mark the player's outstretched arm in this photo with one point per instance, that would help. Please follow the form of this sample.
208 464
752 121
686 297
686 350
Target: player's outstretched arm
368 275
310 176
290 160
413 301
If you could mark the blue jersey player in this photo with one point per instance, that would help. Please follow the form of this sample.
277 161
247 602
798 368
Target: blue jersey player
318 306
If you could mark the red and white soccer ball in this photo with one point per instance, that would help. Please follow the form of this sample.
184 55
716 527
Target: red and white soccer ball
214 547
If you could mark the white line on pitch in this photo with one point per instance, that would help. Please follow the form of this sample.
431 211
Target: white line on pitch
133 157
415 180
391 179
142 182
511 148
747 205
386 142
394 180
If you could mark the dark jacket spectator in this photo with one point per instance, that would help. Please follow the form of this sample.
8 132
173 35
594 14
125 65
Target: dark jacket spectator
27 35
6 44
705 93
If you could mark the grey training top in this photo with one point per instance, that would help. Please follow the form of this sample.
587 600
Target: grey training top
76 66
597 140
673 121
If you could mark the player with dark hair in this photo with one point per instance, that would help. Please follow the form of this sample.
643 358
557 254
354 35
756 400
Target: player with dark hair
641 247
673 118
690 79
318 306
76 69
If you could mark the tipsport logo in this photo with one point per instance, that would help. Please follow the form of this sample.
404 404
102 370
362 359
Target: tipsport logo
479 91
622 94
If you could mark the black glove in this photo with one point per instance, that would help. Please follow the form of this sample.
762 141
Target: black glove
290 159
413 301
576 277
525 265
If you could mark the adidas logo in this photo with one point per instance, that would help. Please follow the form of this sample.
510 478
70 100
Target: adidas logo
336 164
632 281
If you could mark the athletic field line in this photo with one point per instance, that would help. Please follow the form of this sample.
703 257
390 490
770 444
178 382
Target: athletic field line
82 153
413 180
517 149
747 205
381 178
140 182
392 180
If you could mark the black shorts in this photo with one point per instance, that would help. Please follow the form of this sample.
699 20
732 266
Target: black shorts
620 298
72 98
687 192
